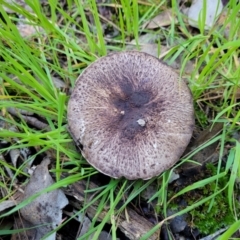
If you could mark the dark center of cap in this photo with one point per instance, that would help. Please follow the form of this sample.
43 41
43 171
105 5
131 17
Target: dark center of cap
132 112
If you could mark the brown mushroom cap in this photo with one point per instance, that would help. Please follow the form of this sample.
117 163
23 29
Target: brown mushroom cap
130 115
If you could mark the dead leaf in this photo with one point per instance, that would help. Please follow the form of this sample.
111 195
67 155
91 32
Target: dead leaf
147 43
44 212
163 19
86 226
105 236
213 9
20 3
30 119
27 30
7 204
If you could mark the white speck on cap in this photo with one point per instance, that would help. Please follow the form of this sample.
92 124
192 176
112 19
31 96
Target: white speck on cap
141 122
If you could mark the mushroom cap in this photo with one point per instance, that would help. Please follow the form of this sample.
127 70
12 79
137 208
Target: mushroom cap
130 115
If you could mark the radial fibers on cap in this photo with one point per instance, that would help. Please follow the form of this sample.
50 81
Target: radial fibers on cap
131 115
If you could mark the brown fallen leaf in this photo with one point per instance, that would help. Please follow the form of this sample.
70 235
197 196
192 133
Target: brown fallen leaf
7 204
28 118
163 19
86 226
44 212
27 30
20 3
147 44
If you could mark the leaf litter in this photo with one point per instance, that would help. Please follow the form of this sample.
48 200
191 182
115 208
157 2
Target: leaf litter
45 212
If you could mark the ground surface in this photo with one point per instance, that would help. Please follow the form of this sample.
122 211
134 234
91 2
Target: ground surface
44 46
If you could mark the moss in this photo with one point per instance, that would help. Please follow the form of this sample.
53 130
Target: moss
208 219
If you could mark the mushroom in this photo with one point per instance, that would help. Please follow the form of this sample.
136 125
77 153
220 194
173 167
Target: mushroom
130 115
